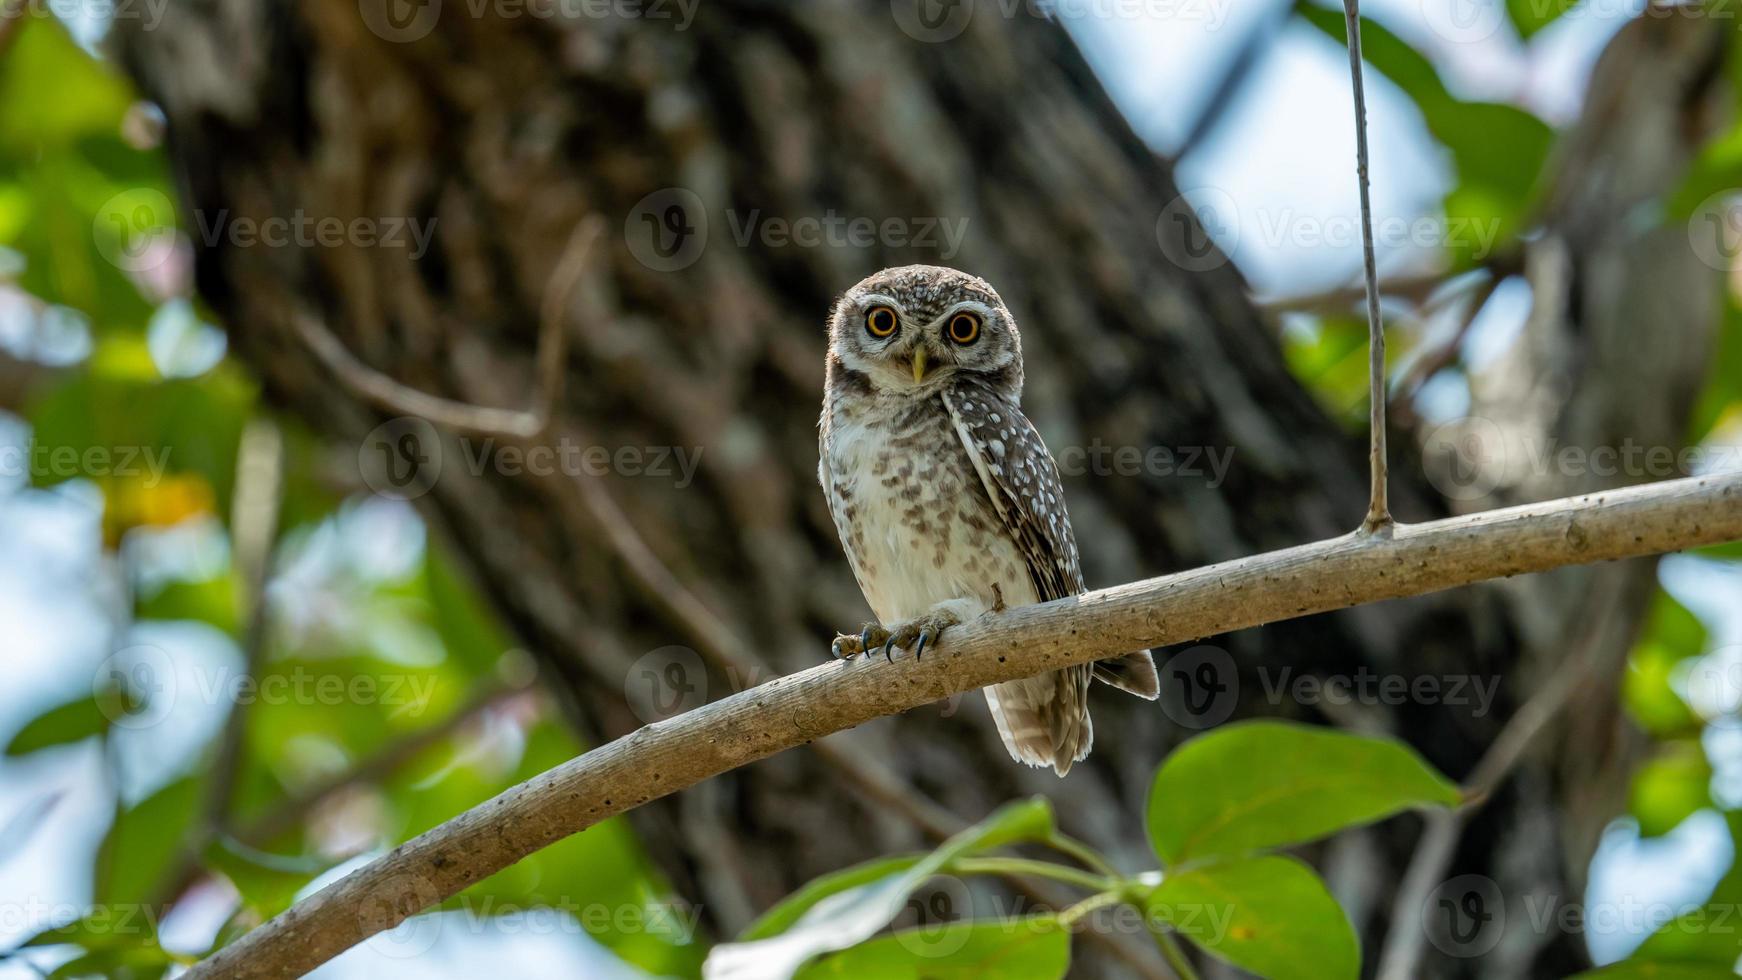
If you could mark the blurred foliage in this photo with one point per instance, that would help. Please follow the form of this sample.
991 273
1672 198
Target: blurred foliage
95 274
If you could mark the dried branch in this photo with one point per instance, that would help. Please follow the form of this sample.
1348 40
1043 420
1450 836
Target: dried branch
553 345
665 757
1378 507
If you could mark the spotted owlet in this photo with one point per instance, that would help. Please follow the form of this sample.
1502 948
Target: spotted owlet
947 501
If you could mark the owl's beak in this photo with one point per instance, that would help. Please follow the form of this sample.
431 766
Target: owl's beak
918 365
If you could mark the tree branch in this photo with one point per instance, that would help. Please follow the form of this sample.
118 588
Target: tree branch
662 758
553 346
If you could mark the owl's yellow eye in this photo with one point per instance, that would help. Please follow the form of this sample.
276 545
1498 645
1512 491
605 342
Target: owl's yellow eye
880 321
964 328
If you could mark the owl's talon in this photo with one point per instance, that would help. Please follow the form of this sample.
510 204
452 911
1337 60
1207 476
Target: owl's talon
887 646
849 645
924 636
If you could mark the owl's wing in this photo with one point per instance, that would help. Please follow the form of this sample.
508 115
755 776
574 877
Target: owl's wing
1023 482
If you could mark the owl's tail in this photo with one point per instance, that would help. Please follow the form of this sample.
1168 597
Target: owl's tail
1044 720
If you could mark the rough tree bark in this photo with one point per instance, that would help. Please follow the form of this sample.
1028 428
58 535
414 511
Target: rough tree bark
506 132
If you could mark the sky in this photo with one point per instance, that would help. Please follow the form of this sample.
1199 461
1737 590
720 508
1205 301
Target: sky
1283 149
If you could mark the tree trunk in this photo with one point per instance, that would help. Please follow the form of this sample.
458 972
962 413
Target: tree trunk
699 327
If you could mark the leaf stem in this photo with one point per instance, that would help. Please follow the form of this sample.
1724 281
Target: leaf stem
1044 869
1082 852
1069 917
1171 952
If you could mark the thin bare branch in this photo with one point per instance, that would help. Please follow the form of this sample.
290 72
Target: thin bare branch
1378 506
553 344
667 756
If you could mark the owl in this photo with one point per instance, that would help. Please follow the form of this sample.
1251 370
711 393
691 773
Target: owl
947 502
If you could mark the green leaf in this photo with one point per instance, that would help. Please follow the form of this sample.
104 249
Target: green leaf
781 917
1671 636
143 843
1020 949
831 914
1530 16
1670 786
74 721
117 963
1269 915
1263 784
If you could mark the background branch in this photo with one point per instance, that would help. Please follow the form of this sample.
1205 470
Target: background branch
664 757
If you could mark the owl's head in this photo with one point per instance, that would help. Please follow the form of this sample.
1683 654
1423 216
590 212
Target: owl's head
915 328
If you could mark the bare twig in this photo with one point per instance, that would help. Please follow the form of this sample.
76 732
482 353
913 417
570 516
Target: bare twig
662 758
253 528
1444 355
254 516
553 344
1378 507
1439 840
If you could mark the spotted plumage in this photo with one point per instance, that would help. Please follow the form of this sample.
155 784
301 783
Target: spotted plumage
946 499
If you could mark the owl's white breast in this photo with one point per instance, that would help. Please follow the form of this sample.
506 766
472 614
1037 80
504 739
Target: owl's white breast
914 520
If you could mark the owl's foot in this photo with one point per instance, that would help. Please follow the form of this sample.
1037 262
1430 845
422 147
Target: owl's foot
850 645
915 634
